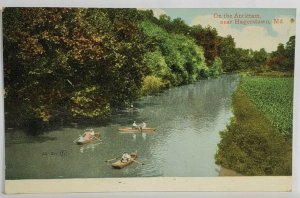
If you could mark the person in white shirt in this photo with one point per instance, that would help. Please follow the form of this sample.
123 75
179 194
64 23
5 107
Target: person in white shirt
92 132
125 157
134 125
143 125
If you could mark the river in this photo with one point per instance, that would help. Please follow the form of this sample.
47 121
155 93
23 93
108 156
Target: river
188 121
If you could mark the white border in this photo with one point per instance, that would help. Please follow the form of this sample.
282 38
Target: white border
171 4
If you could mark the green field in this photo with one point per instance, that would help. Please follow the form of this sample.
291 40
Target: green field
274 97
258 139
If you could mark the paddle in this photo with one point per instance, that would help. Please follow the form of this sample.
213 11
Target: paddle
138 162
76 140
97 138
111 159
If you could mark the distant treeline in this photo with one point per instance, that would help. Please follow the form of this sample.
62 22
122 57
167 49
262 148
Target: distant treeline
82 63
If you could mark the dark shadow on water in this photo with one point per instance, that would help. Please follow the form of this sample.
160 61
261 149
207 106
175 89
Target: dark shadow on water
28 139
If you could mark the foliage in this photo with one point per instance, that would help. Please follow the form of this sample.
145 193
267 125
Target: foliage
228 54
54 55
283 59
182 56
251 145
157 66
258 61
274 97
82 103
207 38
177 25
216 68
151 85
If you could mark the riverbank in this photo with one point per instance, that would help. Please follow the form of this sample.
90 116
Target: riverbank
228 172
253 144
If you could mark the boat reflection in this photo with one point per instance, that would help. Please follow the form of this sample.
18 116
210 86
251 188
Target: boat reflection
134 137
144 135
88 147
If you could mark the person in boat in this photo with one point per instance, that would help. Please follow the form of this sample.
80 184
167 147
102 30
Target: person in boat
131 107
134 125
92 132
87 135
125 157
143 125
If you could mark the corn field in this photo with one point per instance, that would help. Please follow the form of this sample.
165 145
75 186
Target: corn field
273 96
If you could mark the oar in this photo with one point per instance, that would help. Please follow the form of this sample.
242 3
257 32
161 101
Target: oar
111 159
97 138
76 140
138 162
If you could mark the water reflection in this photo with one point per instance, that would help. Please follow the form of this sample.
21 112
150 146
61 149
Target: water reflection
144 135
88 147
134 137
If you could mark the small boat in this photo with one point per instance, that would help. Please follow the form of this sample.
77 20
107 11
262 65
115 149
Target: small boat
93 138
131 130
119 164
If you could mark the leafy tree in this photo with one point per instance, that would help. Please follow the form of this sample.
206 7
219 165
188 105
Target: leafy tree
182 56
283 58
228 54
290 53
76 61
259 60
216 68
207 38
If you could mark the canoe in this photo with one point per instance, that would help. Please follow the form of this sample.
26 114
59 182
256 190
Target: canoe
96 137
119 164
131 130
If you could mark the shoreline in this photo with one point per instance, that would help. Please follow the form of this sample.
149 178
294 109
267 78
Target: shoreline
227 172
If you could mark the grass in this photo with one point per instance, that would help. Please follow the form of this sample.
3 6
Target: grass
252 144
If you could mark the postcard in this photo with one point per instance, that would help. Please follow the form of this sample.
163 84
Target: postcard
148 99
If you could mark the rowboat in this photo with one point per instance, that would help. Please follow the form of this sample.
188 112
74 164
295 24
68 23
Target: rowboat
95 137
119 164
132 130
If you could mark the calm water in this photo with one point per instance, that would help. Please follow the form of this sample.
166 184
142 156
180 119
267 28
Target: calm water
188 120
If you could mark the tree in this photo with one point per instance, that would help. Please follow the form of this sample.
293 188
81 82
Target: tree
228 54
184 59
283 58
81 62
290 53
207 38
259 60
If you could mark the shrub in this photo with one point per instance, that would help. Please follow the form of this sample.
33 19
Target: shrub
151 85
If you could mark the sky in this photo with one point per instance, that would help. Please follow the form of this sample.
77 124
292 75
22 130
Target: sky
254 36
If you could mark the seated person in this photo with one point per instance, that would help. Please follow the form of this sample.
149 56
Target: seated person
134 125
143 125
125 157
87 135
92 132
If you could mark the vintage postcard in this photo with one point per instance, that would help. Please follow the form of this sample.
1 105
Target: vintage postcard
141 99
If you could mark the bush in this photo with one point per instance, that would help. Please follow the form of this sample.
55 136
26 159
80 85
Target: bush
151 85
216 68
